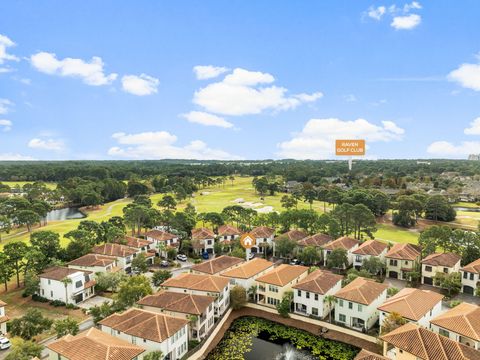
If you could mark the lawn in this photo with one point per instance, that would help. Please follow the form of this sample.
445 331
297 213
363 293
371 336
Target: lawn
50 185
394 233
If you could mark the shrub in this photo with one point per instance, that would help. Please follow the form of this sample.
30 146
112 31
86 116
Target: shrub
36 297
57 303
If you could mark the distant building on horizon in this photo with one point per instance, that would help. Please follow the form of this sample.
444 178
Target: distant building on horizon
474 157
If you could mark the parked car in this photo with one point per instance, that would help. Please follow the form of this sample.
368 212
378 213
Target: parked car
182 257
205 255
164 263
251 256
295 262
4 343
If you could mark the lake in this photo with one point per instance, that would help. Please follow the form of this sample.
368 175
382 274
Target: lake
64 214
266 350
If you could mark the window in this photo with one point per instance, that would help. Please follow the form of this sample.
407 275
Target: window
444 332
445 270
308 295
316 297
406 263
340 303
393 262
49 282
209 242
51 293
342 318
273 288
134 340
78 284
428 268
360 307
350 305
471 276
465 275
299 293
358 258
144 340
314 311
272 301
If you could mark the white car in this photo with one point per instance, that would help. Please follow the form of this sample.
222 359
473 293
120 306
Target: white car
4 343
182 257
251 256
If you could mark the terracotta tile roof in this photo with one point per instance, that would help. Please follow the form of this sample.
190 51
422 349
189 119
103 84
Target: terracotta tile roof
371 247
463 319
93 260
319 282
362 291
160 235
202 234
294 235
113 250
428 345
315 240
283 274
442 259
178 302
262 232
228 230
473 267
411 303
342 243
208 283
145 324
4 318
404 252
94 344
367 355
248 269
3 303
136 242
217 264
60 272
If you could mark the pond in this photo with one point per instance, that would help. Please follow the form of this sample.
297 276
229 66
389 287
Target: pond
64 214
264 349
469 209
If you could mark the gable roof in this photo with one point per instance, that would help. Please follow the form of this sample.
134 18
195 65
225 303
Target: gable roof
442 259
217 264
411 303
367 355
94 344
315 240
93 260
114 250
60 272
464 319
136 242
202 234
404 252
178 302
228 230
283 274
160 235
294 235
262 232
210 283
145 324
361 290
371 247
428 345
344 242
248 269
473 267
319 281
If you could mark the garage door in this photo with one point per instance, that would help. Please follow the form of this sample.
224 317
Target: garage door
468 290
428 280
393 274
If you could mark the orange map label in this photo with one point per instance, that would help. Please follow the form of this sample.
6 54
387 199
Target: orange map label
350 147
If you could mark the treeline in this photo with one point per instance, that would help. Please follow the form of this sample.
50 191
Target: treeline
302 171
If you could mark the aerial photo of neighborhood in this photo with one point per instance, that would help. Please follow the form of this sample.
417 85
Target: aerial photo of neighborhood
239 180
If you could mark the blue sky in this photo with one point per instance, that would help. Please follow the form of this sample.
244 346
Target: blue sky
238 79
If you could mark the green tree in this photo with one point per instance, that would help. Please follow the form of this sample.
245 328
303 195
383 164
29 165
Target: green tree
66 281
32 284
48 243
391 322
15 252
284 247
238 252
5 225
167 202
133 289
100 312
24 350
135 188
66 326
160 276
437 208
154 355
139 264
109 280
6 270
29 325
309 255
374 266
330 300
27 218
238 297
285 305
288 202
337 259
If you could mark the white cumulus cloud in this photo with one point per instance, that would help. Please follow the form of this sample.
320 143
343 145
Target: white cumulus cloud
245 92
6 124
448 149
162 145
467 75
5 43
46 144
14 157
5 106
377 12
90 72
140 85
203 118
203 72
317 138
474 128
407 22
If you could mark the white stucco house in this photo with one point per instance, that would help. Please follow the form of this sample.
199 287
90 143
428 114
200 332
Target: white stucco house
445 263
346 243
95 263
368 249
471 277
122 253
3 319
246 273
263 235
203 240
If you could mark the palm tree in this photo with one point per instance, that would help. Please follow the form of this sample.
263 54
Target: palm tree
252 291
330 300
65 281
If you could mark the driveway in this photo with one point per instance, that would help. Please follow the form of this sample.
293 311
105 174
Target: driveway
94 301
399 284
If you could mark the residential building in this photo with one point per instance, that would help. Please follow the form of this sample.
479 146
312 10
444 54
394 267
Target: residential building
367 355
210 285
122 253
3 318
445 263
402 259
216 265
368 249
414 305
162 241
272 285
471 277
357 303
461 324
318 240
203 240
309 294
71 286
246 273
150 330
95 263
412 342
263 235
228 233
294 235
93 344
197 309
142 246
347 243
